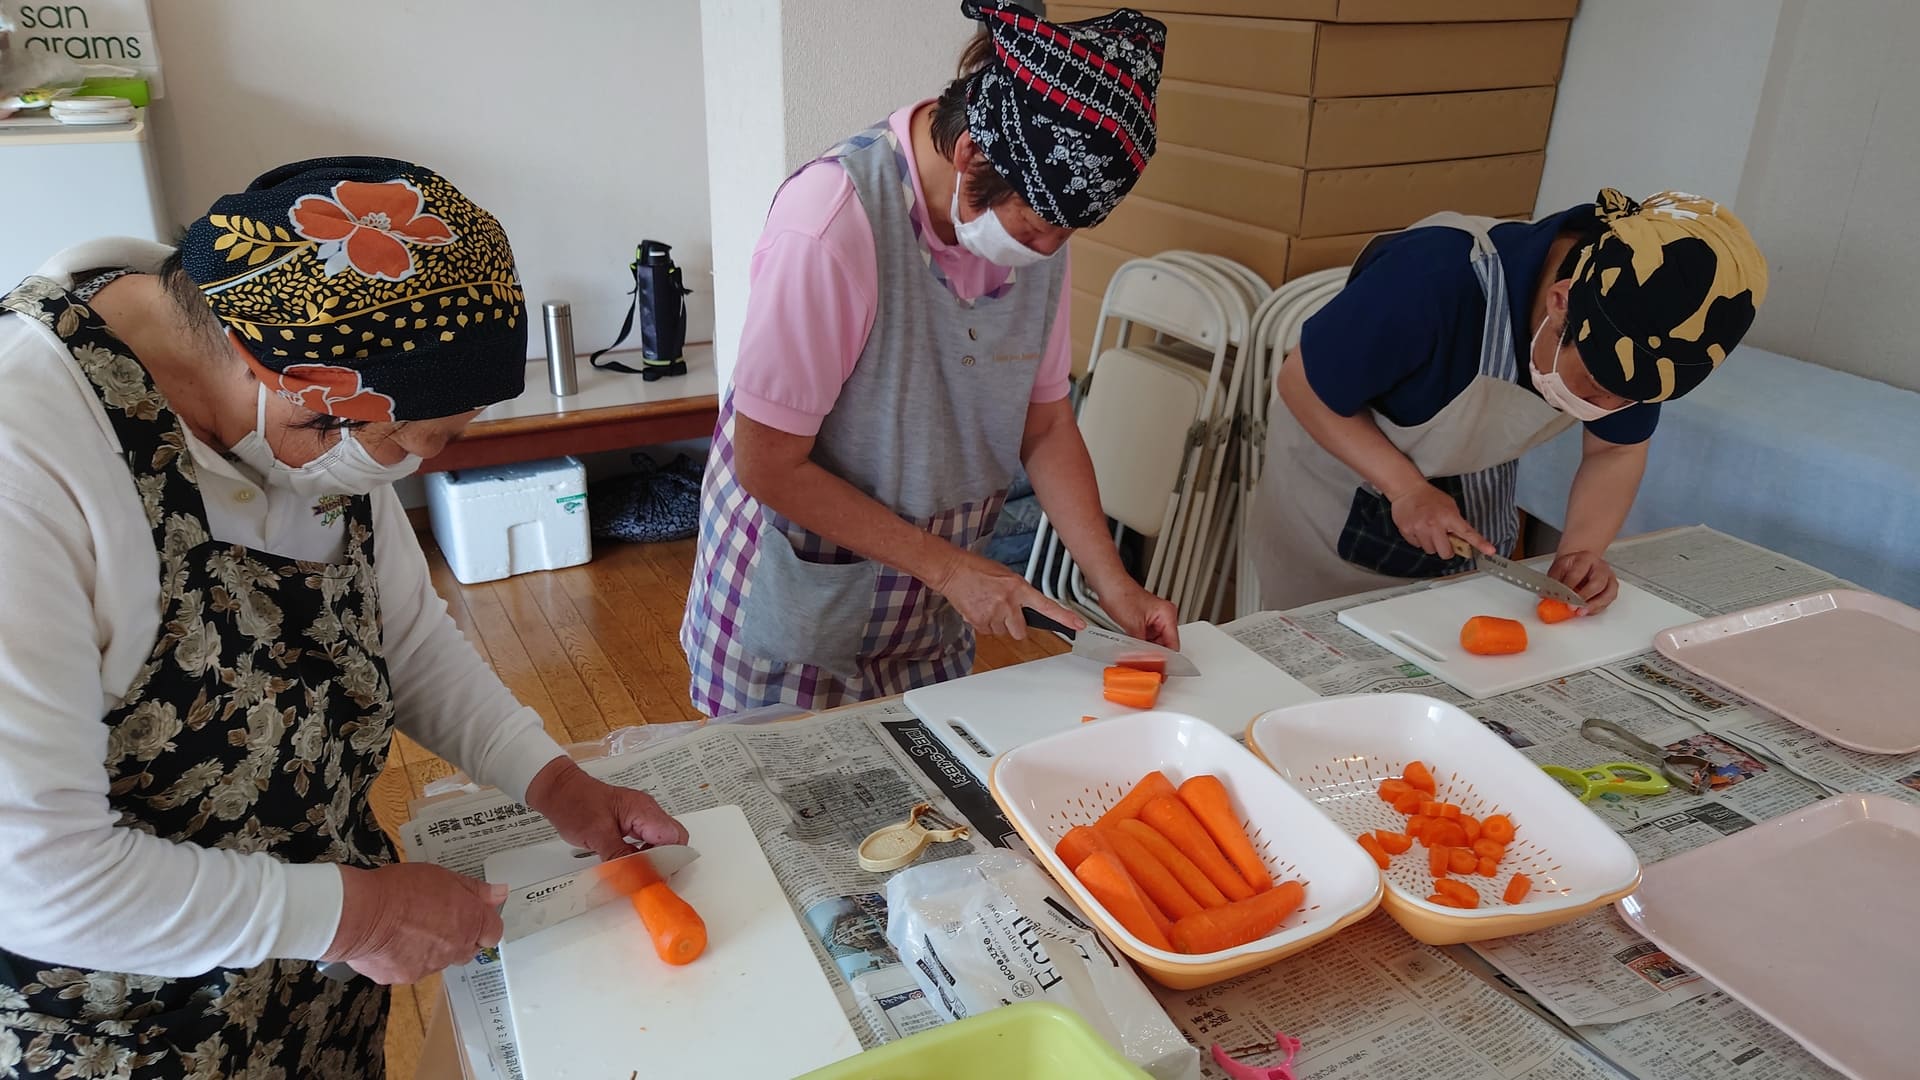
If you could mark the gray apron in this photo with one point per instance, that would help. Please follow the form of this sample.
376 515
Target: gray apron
1307 496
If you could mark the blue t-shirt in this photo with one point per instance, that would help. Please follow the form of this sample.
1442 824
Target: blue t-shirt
1403 337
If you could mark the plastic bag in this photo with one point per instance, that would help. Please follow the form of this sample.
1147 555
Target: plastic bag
654 504
986 930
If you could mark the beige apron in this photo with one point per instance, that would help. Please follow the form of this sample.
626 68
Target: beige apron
1305 493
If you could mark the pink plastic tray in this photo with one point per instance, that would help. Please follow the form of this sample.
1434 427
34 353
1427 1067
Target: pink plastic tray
1832 662
1807 920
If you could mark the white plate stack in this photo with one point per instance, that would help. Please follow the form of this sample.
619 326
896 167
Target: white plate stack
85 109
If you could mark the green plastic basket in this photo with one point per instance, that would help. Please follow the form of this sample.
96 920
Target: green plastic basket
1029 1041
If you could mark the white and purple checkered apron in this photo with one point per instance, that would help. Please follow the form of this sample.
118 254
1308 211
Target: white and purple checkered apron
929 424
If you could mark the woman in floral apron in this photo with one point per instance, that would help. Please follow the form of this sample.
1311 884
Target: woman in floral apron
906 351
1406 406
214 614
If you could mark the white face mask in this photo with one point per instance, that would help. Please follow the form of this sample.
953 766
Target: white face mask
986 237
345 468
1554 391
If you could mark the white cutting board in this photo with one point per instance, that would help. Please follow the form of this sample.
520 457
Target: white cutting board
985 715
591 1000
1424 628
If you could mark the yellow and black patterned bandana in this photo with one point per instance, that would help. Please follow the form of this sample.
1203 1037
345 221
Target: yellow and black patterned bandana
365 288
1665 293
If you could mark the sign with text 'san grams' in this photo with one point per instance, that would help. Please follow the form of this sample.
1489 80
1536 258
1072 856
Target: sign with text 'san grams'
116 32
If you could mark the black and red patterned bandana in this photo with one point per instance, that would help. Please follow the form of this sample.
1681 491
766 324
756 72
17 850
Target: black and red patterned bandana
1065 111
365 288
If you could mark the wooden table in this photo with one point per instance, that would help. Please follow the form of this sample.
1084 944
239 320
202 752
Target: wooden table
612 411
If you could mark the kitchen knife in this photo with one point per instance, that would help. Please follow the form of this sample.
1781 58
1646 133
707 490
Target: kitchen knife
1520 574
1107 648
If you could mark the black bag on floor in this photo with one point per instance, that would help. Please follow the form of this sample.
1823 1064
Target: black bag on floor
655 503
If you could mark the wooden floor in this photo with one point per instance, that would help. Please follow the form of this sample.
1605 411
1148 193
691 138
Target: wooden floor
592 649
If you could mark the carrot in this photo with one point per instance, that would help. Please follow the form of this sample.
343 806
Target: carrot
1131 698
1207 797
1107 880
679 934
1461 861
1488 867
1152 876
1155 664
1130 686
1497 827
1467 895
1184 871
1177 824
1393 843
1151 786
1517 888
1438 860
1239 922
1079 842
1490 849
1391 790
1409 803
1471 826
1373 848
1417 827
1553 611
1429 808
1419 778
1088 719
1446 833
1488 635
1443 901
1449 811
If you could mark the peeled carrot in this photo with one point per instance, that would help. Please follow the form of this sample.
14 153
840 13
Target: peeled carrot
1131 686
1438 860
1151 786
1207 797
1155 664
1119 675
1471 826
1443 900
1177 824
1238 922
1467 895
1079 842
1488 635
1490 849
1417 827
1517 888
1430 808
1184 871
1373 848
1132 698
1409 803
1461 861
1152 876
1488 867
1088 719
1392 789
1107 880
1497 827
1449 811
1393 843
679 934
1420 778
1552 611
1447 833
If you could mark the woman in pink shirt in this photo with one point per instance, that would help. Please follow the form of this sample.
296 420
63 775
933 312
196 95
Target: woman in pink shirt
906 350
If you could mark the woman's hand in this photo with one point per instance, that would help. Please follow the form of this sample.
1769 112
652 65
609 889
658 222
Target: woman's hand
404 922
1589 575
1142 614
990 596
599 816
1429 519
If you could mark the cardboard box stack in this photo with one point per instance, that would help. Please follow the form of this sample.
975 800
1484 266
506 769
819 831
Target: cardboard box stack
1292 131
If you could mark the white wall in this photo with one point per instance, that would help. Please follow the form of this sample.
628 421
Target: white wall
823 69
1657 95
578 124
1830 187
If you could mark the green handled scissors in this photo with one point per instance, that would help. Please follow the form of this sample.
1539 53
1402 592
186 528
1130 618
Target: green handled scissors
1615 777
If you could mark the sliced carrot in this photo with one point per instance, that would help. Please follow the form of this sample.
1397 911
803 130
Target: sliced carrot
1489 849
1488 635
1184 871
1177 823
1392 789
1152 876
1429 808
1517 888
1107 880
1151 786
1450 811
1448 833
1471 826
1238 922
1443 900
1488 867
1461 861
1409 803
1207 797
1418 777
1438 860
1393 843
1079 842
1132 698
1497 827
1088 719
1467 895
1417 827
1155 664
1373 848
1554 611
1128 677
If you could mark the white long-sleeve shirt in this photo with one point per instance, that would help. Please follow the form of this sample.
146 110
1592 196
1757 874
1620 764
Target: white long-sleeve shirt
79 615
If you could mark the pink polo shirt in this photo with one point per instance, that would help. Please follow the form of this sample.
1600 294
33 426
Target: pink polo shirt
814 286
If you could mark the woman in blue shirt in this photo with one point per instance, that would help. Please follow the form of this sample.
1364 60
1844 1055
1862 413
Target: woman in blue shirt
1462 342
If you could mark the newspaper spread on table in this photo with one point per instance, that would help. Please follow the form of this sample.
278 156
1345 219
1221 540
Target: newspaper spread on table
1564 1002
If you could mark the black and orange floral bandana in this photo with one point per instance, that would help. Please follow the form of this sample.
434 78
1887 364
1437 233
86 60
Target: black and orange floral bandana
365 288
1065 111
1665 293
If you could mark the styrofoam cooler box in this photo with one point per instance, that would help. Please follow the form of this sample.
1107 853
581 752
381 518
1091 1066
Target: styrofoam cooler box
503 520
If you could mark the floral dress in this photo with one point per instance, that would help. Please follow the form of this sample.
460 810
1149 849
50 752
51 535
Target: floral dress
258 723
